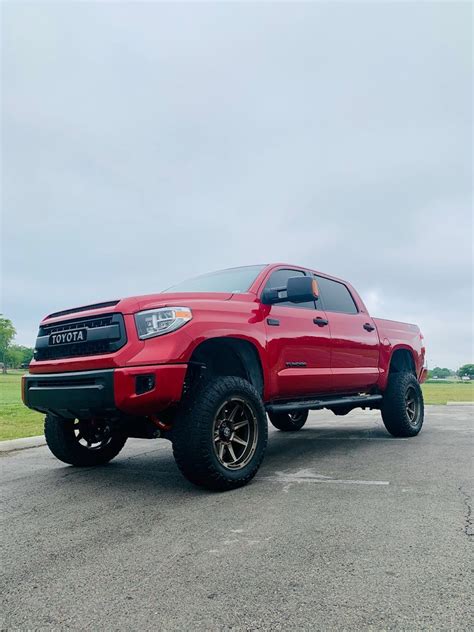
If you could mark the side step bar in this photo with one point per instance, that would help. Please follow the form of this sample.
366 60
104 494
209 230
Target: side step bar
317 404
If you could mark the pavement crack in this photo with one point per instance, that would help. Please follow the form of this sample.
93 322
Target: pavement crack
468 525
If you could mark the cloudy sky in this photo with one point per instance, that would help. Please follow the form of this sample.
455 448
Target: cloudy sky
145 143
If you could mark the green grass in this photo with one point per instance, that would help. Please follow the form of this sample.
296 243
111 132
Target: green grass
442 392
18 421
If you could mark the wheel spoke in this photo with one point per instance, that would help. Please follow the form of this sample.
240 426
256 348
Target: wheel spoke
221 451
231 452
241 424
233 414
235 434
236 439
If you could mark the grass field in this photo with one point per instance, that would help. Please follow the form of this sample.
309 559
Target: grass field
442 392
18 421
15 419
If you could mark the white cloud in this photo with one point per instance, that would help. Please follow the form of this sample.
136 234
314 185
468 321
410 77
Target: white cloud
147 142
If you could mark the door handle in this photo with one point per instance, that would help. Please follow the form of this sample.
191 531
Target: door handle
368 327
320 322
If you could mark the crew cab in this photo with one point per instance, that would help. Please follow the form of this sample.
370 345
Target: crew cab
205 362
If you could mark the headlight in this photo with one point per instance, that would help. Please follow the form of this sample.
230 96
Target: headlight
156 322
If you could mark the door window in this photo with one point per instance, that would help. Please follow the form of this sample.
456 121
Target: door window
335 296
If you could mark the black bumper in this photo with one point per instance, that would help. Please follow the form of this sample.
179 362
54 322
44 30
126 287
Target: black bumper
76 395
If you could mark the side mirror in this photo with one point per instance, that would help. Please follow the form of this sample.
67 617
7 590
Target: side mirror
301 289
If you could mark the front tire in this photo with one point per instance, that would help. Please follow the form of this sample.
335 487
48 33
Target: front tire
219 439
82 442
289 422
402 405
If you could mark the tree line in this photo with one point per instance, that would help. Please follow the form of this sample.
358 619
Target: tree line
438 373
12 356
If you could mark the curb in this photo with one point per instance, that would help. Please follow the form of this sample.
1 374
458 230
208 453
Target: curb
459 403
22 444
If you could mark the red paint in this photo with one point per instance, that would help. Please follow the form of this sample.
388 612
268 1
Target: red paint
168 388
297 339
340 357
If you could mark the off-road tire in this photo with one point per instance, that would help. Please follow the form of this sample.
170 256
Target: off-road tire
194 427
289 422
396 414
340 411
63 443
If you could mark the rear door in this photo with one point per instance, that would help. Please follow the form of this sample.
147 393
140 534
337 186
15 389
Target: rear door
298 344
355 342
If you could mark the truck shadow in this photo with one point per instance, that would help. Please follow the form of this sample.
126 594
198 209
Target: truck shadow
147 467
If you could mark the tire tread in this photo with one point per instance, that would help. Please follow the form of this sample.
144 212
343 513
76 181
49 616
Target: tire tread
193 452
62 443
393 405
283 421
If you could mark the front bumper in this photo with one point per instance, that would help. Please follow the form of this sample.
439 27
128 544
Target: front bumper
105 392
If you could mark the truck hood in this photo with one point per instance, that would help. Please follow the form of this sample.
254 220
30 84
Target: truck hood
133 304
179 299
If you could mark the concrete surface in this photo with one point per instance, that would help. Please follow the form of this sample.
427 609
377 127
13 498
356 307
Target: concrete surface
21 444
344 528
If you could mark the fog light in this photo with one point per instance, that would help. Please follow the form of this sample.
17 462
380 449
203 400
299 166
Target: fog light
144 383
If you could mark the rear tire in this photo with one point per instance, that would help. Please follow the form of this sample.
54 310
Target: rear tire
289 422
219 437
340 411
82 442
402 405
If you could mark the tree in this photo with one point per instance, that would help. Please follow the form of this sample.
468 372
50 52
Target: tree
16 355
7 333
468 370
27 354
440 373
13 357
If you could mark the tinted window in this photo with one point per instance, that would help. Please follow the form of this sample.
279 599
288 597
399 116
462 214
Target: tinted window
235 280
336 297
279 278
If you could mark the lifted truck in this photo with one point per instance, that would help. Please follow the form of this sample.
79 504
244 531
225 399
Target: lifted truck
206 361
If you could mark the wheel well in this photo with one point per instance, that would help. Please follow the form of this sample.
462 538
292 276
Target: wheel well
402 360
229 356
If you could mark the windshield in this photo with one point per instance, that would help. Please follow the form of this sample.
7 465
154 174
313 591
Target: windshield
234 280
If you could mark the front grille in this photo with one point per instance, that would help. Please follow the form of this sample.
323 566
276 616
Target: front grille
105 334
90 323
72 350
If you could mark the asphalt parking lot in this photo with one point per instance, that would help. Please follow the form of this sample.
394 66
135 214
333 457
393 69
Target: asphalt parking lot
343 528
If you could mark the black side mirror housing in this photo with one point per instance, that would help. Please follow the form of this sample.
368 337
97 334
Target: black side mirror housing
299 289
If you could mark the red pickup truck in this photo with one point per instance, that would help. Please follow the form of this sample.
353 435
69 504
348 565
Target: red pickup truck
206 361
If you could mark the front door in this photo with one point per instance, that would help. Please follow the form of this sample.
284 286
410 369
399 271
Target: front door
298 345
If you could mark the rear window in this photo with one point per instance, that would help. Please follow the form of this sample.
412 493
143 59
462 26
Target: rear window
234 280
335 296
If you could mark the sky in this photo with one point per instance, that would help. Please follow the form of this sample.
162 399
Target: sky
143 143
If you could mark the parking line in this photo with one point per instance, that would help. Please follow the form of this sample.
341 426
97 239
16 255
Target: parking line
306 476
